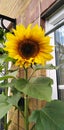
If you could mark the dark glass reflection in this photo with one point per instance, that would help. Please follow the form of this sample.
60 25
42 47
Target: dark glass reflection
59 40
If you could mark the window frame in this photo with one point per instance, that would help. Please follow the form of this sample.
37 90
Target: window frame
53 22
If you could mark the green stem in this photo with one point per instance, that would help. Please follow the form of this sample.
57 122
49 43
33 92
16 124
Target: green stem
26 112
26 104
31 75
6 93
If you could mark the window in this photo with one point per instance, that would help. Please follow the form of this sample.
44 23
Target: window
59 40
55 29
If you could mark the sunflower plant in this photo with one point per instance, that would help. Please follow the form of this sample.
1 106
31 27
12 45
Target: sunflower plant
29 48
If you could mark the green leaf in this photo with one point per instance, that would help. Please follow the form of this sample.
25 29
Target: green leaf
47 66
1 32
1 50
3 98
51 117
10 75
6 85
4 108
2 58
14 99
44 80
19 84
5 57
2 40
39 88
38 91
13 74
1 67
6 77
10 59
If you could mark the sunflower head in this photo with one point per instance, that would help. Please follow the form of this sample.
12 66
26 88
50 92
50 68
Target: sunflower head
28 46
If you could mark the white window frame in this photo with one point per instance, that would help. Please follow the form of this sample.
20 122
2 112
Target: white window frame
51 22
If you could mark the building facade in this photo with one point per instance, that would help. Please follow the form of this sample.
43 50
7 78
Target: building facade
50 15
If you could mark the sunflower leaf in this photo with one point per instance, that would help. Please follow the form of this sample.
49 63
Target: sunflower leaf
14 99
47 66
39 88
9 59
19 84
51 117
1 67
6 85
6 58
13 73
3 98
2 58
4 106
9 75
2 40
1 50
6 77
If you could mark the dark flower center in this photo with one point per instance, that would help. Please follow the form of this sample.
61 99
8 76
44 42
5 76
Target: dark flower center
28 49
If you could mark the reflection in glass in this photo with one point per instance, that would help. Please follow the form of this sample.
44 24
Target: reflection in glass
59 40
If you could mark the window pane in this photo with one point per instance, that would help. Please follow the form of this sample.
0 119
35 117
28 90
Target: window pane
59 40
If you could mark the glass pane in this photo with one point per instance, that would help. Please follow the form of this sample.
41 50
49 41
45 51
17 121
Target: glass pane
59 40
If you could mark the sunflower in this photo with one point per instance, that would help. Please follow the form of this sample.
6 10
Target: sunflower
28 45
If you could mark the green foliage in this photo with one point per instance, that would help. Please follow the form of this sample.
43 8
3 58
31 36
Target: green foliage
47 66
51 117
39 88
1 50
2 58
5 58
6 85
4 105
1 67
12 74
6 77
19 84
2 32
4 108
14 99
6 102
3 98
